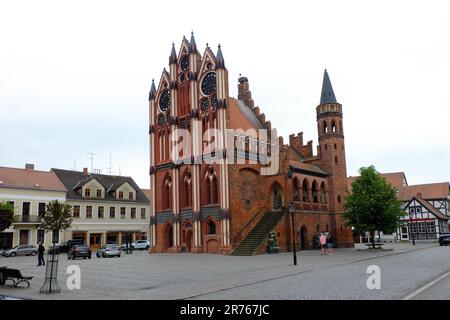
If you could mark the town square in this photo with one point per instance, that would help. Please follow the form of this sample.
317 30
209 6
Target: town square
201 153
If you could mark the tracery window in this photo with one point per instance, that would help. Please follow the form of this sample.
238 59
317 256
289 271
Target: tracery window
212 195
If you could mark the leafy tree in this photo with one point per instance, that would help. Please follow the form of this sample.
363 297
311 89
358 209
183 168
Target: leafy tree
6 215
58 216
373 205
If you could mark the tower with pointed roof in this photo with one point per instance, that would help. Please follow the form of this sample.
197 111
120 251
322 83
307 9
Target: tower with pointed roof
332 149
216 195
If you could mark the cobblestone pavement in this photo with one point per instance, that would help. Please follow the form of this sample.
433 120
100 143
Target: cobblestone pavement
205 276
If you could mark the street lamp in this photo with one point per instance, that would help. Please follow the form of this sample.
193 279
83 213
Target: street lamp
294 251
411 216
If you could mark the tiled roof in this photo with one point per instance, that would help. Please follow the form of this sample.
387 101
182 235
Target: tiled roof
430 208
307 167
428 191
148 193
72 178
30 179
396 179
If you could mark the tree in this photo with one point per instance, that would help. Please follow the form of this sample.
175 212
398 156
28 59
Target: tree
372 204
6 215
58 216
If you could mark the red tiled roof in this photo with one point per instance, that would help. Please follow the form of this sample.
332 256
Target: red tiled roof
432 209
30 179
395 179
428 191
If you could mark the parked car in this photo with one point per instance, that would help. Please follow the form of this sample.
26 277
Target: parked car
444 239
64 247
22 250
109 250
139 245
79 251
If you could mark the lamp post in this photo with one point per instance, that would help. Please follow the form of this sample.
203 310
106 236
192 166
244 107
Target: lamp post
411 216
294 251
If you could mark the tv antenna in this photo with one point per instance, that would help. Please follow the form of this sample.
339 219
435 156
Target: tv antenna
92 159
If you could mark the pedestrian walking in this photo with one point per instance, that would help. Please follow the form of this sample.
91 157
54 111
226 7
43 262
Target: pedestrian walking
330 245
41 250
323 243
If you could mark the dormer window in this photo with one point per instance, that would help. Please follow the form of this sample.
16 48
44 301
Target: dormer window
130 196
120 195
99 193
87 193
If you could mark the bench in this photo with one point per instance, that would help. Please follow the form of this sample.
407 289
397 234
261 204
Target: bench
13 275
378 245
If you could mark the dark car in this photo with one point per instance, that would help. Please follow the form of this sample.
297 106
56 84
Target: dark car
79 251
444 239
64 247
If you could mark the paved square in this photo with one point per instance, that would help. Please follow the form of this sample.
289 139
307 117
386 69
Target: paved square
271 276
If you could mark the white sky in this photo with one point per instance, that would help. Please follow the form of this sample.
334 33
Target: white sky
75 76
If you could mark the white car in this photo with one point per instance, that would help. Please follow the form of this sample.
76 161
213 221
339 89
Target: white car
139 244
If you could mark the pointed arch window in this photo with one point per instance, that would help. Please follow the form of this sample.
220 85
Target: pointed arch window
211 227
166 190
296 190
187 190
211 183
323 195
305 190
333 126
315 195
324 127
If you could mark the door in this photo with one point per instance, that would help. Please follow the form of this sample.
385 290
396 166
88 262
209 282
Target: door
404 233
303 238
95 241
24 237
189 241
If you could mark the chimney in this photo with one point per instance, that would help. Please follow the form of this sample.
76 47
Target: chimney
419 195
29 166
85 172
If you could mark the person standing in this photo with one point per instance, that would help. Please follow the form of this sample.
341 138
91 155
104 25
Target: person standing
41 250
330 245
323 243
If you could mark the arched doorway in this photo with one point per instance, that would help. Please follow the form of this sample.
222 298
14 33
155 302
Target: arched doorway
168 236
188 236
303 238
277 197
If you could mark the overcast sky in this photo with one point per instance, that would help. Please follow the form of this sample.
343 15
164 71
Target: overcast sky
75 76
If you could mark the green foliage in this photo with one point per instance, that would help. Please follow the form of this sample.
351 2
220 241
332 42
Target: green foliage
6 215
58 216
373 204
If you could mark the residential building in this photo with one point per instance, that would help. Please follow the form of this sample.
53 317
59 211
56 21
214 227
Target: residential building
29 191
426 208
106 208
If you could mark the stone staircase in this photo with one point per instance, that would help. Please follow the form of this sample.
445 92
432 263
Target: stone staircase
255 238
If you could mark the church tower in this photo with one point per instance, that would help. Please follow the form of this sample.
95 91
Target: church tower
332 151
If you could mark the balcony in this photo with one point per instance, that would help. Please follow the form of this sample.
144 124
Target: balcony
27 219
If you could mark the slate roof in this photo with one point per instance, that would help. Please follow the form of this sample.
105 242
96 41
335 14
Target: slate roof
72 179
327 95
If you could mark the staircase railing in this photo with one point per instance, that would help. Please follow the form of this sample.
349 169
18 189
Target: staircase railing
248 227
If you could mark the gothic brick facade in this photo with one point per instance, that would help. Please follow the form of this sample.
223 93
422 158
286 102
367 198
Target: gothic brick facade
217 166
